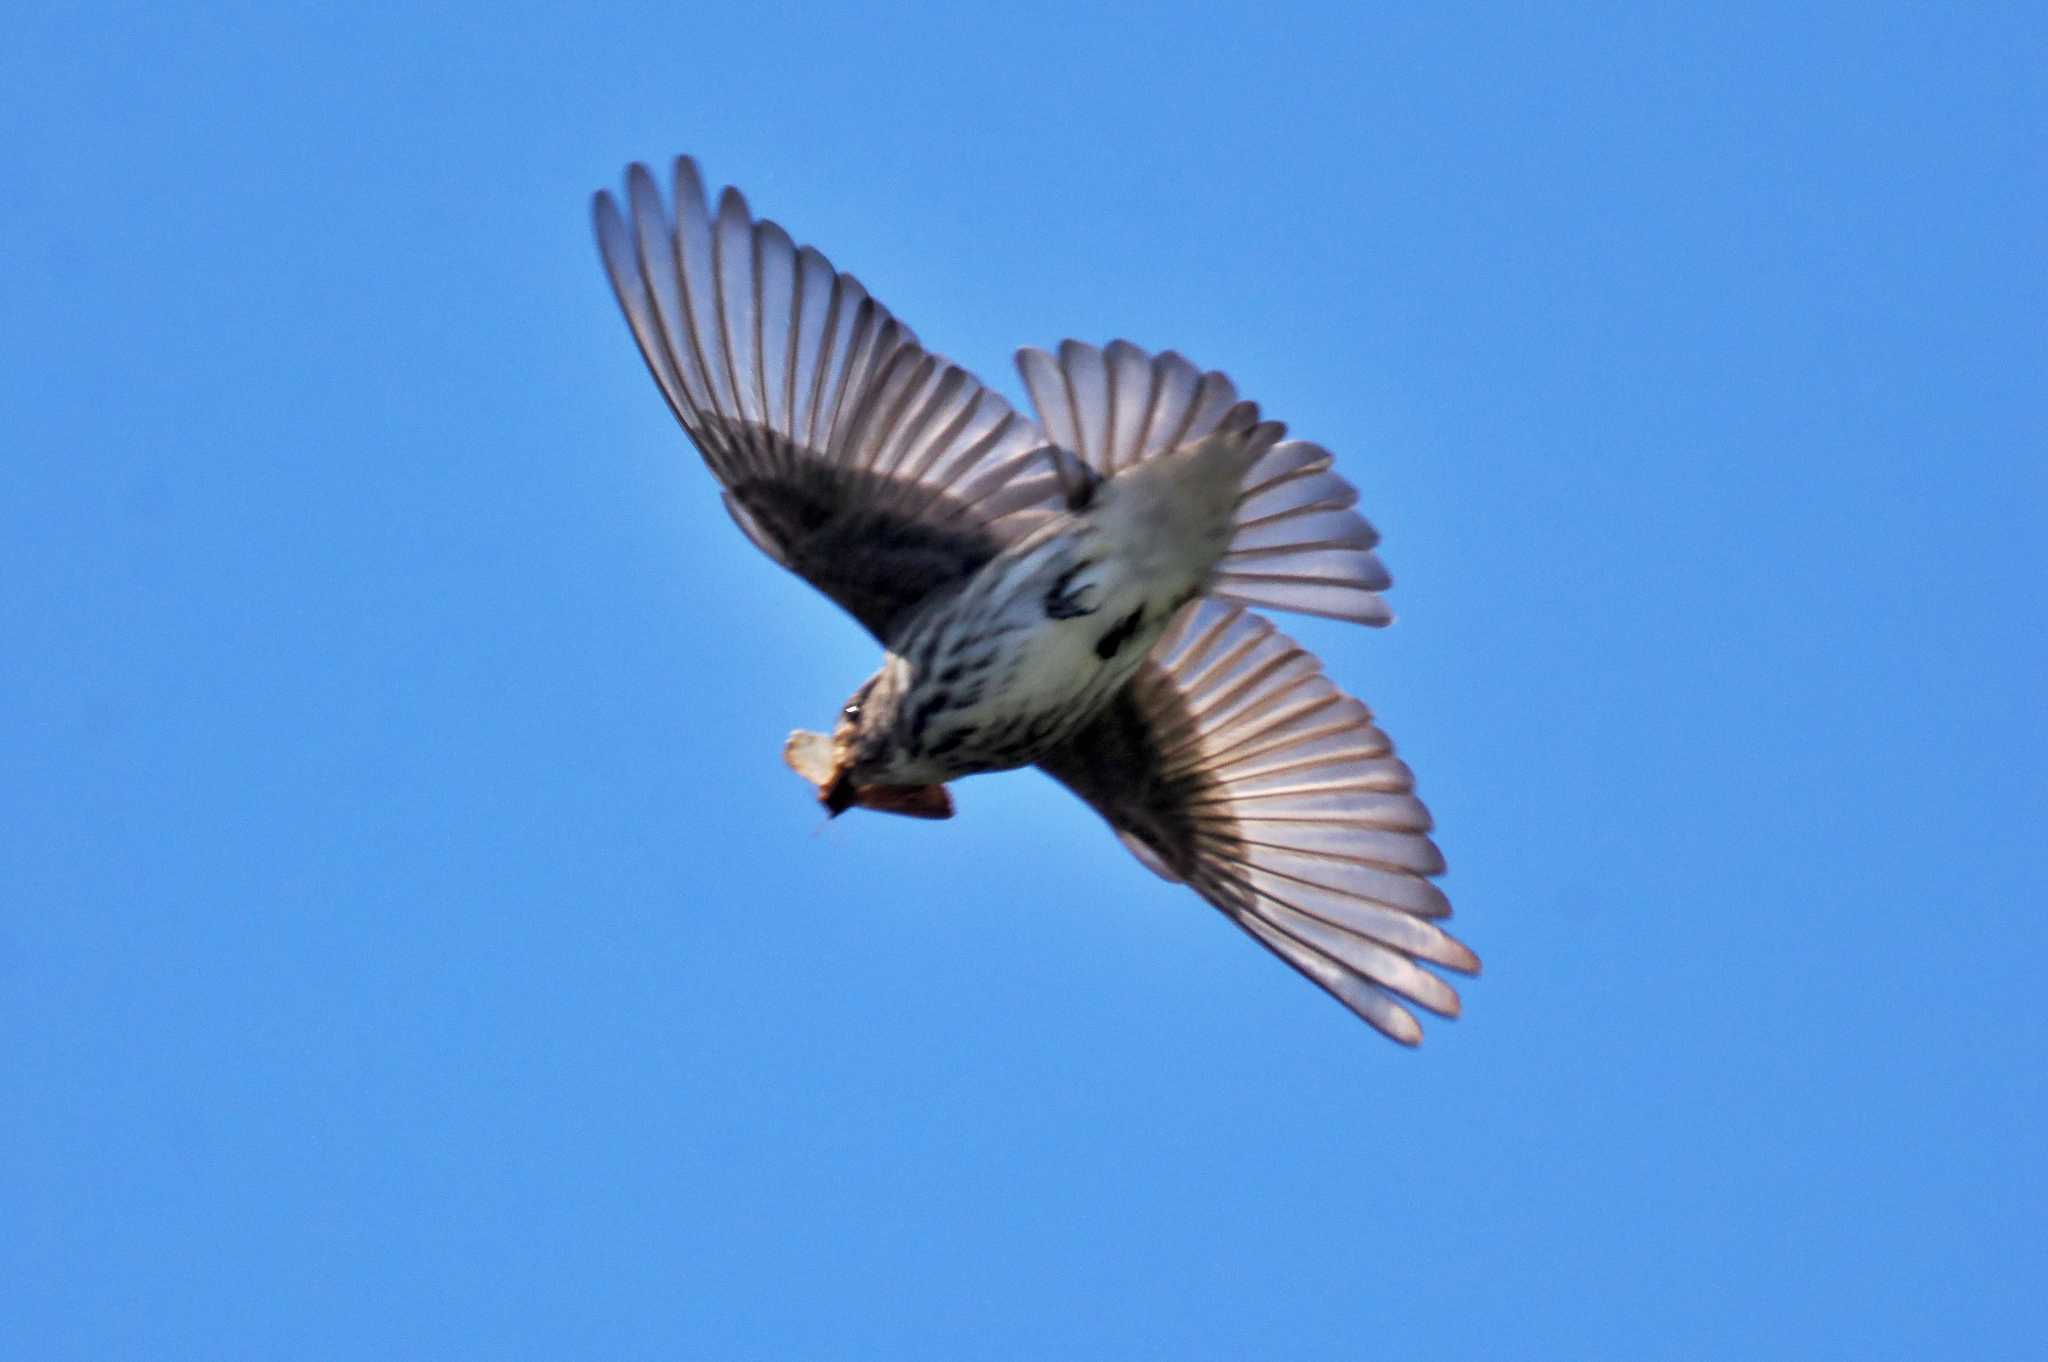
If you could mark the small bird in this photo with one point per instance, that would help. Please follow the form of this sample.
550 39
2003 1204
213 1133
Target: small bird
1073 593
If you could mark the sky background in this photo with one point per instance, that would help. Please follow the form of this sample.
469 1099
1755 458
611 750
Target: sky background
411 944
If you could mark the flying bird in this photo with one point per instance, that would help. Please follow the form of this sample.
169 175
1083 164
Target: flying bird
1074 592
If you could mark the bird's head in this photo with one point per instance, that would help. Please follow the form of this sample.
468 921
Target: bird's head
858 747
851 767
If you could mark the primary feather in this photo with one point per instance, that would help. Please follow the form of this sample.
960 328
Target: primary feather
1068 592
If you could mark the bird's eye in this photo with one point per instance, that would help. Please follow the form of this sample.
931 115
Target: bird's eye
851 713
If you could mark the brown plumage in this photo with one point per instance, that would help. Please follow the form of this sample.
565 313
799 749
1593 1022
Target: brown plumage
1060 594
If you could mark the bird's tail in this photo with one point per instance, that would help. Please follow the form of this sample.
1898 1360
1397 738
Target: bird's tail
1296 543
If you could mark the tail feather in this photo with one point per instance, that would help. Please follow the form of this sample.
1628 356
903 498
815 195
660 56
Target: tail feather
1174 515
1298 545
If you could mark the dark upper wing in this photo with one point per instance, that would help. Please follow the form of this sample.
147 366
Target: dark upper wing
849 454
1232 763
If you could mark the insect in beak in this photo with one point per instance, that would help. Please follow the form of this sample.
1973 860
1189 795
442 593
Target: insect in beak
814 757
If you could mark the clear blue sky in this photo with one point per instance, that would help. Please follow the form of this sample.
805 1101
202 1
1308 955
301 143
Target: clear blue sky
413 945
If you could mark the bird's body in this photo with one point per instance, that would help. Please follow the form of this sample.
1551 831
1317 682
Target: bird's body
999 670
1071 593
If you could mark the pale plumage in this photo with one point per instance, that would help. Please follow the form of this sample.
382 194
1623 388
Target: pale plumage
1068 592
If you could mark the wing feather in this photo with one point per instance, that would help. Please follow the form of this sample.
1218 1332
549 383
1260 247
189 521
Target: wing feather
848 453
1233 764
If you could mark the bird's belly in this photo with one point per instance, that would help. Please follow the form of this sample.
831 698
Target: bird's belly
1028 652
1045 679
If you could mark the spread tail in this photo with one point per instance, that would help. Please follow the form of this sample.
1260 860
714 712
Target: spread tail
1296 542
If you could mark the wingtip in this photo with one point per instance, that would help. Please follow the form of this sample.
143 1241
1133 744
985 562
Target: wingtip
732 204
1401 1027
1072 350
607 220
684 174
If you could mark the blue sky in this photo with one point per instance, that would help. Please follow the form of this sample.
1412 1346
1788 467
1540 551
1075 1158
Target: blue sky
413 946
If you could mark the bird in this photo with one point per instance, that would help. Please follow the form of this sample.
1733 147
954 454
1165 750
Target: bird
1080 592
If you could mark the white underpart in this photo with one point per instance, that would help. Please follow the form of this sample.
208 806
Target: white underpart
1148 541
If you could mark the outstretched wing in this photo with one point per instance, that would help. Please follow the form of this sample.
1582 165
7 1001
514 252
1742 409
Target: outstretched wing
1233 764
1298 546
849 454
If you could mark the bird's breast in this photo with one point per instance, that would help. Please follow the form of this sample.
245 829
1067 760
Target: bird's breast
1023 655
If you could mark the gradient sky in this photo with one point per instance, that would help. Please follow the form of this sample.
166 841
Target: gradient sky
411 944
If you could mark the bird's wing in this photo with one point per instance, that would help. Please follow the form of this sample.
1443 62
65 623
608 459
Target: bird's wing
1233 764
1299 546
849 454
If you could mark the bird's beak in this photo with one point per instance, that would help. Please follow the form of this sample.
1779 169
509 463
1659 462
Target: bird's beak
838 794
